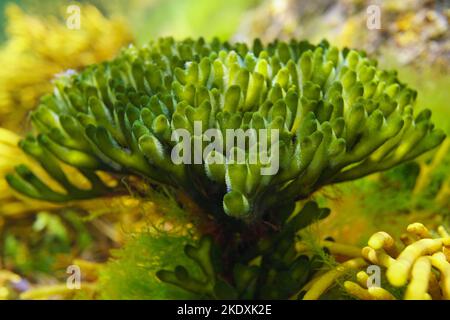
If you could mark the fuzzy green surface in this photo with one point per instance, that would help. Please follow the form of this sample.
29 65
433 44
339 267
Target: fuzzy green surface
130 274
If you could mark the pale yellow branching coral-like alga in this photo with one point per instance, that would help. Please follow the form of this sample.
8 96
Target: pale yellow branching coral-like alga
420 270
38 48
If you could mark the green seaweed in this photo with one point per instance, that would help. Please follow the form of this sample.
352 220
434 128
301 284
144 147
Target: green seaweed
336 115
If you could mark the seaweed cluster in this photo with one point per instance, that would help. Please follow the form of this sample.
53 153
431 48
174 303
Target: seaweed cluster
418 271
336 116
38 48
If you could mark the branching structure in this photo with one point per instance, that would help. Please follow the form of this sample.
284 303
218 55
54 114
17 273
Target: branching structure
418 271
338 118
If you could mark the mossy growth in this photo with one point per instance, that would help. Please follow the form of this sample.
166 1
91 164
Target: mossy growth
131 273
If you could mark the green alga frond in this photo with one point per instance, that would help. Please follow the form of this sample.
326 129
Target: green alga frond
338 116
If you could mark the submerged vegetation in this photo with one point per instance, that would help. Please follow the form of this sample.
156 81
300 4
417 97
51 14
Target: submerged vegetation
338 118
292 212
419 271
31 58
120 116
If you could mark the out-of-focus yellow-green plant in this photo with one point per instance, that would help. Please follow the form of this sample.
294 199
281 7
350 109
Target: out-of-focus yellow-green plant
38 48
8 280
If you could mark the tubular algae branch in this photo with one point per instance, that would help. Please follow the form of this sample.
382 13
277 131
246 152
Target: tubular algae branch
336 115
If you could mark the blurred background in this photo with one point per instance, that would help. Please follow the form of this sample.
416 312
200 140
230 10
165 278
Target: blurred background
38 42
